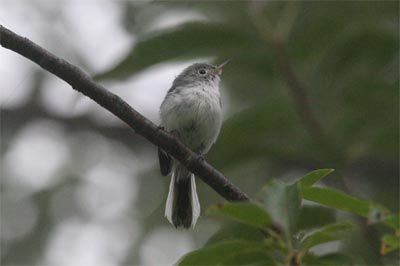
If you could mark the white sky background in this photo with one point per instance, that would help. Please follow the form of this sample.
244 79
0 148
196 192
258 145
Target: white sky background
92 30
81 30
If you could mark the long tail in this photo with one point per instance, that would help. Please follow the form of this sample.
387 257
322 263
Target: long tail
182 207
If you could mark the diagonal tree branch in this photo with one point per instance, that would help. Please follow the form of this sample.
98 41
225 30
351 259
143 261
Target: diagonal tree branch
113 103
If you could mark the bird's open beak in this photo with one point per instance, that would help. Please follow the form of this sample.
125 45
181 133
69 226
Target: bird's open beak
219 68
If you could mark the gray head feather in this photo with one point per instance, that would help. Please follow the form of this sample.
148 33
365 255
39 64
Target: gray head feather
195 74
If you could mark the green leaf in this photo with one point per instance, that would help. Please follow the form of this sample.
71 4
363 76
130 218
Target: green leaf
390 243
235 230
393 221
313 177
323 235
249 213
342 201
336 199
325 22
333 259
227 252
251 256
382 46
308 213
189 40
283 203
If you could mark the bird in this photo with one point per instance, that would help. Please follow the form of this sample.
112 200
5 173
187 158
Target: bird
192 112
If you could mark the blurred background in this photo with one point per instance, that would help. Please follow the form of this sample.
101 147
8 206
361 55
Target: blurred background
311 85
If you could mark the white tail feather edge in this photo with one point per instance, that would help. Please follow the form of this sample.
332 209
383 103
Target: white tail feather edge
195 201
170 199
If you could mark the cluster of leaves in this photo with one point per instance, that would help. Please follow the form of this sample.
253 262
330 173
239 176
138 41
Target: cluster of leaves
280 207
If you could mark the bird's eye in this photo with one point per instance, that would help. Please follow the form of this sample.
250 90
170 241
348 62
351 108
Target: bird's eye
202 71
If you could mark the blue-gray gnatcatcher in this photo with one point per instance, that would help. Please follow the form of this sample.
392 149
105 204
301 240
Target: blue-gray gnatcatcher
192 112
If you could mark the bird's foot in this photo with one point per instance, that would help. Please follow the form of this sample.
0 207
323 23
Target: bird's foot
200 157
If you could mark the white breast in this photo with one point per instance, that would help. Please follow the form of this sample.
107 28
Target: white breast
195 114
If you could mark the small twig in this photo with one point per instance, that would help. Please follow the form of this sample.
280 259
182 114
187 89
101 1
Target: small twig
276 36
277 41
301 100
113 103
